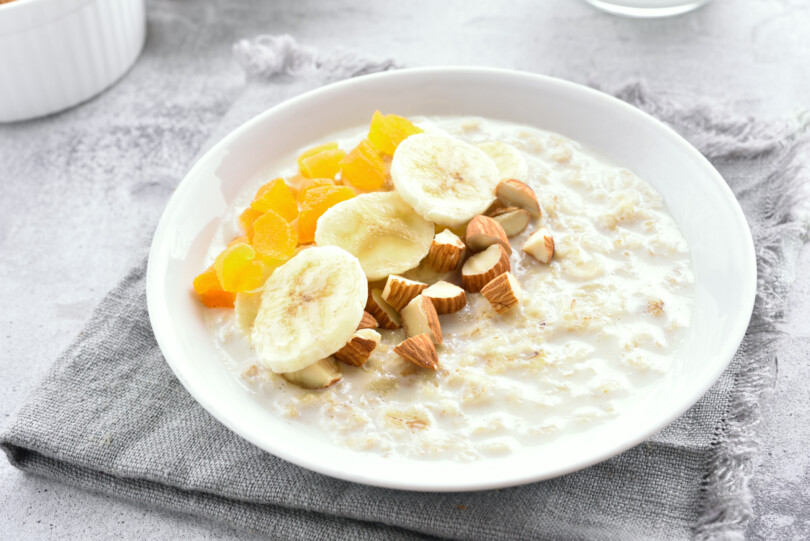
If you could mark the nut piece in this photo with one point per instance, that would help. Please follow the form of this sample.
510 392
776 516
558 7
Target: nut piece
445 251
419 350
420 317
483 267
400 291
483 232
513 220
502 292
446 297
540 245
384 313
514 193
367 322
315 376
357 350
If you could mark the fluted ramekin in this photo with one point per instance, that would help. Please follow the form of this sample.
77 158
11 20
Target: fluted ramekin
57 53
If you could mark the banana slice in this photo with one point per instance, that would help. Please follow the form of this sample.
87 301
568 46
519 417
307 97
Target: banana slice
445 180
380 229
309 308
509 161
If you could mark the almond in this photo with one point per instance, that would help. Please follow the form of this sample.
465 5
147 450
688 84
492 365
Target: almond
445 251
514 193
315 376
384 313
419 350
447 298
357 350
479 269
483 232
513 220
367 322
540 245
400 291
420 317
502 292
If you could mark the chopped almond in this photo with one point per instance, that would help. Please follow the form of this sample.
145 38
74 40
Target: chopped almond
502 292
384 313
445 251
447 298
513 220
483 267
367 322
514 193
419 350
357 350
400 291
315 376
483 232
420 317
540 245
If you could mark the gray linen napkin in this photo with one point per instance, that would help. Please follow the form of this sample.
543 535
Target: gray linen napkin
111 417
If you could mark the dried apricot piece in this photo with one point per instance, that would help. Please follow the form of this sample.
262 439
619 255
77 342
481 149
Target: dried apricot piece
247 218
238 269
363 167
388 131
276 196
309 183
316 202
273 237
315 150
210 291
324 164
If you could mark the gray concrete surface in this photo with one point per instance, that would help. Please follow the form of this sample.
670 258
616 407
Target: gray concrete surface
61 252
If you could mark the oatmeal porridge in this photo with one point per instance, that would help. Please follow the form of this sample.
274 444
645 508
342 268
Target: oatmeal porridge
596 319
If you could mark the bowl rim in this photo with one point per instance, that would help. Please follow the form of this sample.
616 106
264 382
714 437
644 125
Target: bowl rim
748 281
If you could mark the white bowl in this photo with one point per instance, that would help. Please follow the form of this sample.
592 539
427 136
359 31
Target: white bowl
702 204
57 53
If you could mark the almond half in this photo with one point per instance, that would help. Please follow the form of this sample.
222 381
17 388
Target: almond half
446 297
358 349
445 251
483 232
483 267
420 317
367 322
384 313
400 291
502 292
315 376
540 245
514 193
419 350
513 220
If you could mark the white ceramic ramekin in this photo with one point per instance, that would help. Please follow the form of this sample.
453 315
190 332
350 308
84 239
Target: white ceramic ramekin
57 53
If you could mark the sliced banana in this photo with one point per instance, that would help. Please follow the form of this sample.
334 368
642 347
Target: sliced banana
445 180
380 229
509 160
309 308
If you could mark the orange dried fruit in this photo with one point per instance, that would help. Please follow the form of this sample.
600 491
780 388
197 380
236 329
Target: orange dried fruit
247 218
316 202
388 131
210 291
309 183
363 167
238 269
321 161
273 237
278 197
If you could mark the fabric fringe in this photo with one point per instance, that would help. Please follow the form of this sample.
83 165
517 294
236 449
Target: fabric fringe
269 56
778 230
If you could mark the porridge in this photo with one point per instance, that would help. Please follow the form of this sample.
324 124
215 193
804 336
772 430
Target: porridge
474 339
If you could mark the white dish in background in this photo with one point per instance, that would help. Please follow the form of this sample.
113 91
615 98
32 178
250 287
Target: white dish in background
57 53
698 198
